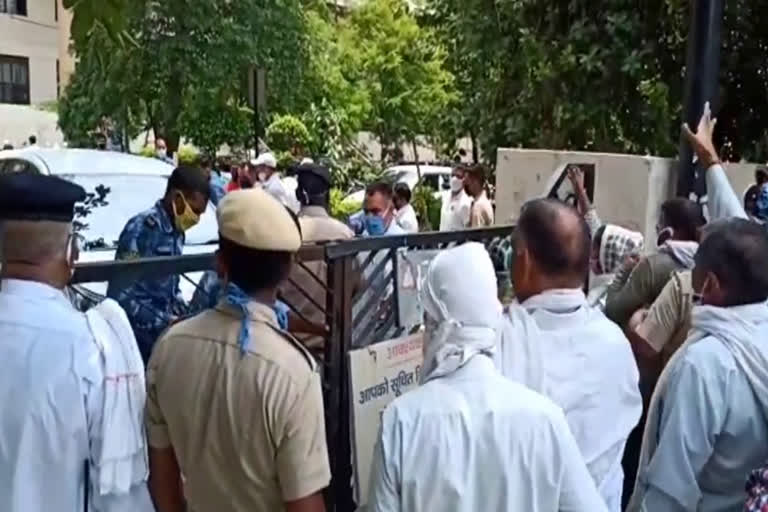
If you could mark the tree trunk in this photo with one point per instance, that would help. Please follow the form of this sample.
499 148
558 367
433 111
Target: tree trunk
416 157
475 152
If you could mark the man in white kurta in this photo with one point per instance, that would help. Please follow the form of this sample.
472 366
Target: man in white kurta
52 385
454 213
468 439
555 343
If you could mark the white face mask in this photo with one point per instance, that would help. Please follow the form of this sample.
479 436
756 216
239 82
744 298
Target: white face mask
456 184
262 176
161 153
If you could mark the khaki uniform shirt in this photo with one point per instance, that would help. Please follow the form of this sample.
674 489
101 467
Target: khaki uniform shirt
644 284
248 431
316 226
666 326
481 213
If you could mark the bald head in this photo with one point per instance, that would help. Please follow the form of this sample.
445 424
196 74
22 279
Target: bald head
556 238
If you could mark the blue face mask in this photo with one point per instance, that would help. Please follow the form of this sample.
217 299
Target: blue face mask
374 225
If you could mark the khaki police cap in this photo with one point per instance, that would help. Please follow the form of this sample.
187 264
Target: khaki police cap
254 219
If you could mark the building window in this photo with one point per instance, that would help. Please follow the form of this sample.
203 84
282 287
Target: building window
14 80
14 7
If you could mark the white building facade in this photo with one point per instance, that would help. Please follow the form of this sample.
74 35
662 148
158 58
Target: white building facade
30 70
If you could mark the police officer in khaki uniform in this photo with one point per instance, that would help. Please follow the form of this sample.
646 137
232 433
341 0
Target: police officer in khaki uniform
317 226
234 404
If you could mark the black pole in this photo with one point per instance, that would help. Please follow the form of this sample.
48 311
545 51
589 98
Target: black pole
256 120
701 81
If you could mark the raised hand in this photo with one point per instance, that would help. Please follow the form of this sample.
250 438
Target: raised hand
701 141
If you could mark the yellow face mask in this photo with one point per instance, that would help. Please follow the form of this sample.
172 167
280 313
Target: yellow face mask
186 219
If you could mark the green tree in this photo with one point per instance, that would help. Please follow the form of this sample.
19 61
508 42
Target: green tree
597 75
178 66
562 75
401 65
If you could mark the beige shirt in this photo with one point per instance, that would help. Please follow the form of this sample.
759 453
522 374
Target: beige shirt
481 213
668 321
316 226
248 431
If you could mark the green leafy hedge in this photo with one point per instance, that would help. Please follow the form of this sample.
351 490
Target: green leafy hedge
287 133
427 207
342 210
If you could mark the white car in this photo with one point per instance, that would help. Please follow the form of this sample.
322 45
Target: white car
135 183
438 177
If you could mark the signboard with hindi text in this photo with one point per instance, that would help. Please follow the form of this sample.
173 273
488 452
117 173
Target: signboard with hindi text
378 374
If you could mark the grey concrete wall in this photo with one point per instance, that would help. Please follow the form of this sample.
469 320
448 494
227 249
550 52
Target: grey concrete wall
628 189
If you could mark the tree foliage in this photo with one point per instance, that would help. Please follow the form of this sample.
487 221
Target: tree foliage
596 75
179 66
577 74
400 64
591 75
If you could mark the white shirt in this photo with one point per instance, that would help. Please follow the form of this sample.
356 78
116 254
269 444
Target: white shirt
51 393
473 441
556 344
454 214
274 185
406 219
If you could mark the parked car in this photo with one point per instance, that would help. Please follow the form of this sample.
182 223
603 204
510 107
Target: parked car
438 177
129 184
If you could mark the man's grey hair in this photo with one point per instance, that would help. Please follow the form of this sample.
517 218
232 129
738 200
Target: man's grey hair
33 242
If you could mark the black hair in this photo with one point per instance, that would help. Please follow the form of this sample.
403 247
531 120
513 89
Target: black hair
188 179
476 171
736 251
33 139
684 216
761 173
558 253
254 270
402 191
379 187
312 190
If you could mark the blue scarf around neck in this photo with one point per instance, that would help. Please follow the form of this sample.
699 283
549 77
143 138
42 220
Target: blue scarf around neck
235 296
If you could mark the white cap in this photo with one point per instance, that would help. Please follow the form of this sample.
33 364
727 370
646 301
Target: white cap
307 161
266 159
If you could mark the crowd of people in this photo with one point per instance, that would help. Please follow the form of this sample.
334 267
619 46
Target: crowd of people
648 394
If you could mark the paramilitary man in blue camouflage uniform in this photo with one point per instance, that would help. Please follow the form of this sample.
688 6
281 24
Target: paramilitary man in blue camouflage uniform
154 304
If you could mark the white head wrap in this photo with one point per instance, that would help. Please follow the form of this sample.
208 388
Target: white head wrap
463 312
